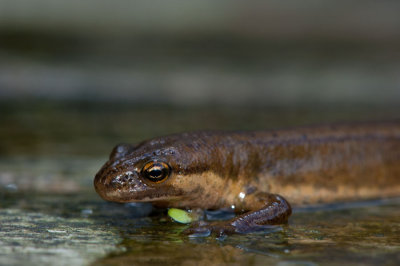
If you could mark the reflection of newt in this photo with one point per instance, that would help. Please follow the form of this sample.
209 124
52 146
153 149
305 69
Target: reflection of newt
246 171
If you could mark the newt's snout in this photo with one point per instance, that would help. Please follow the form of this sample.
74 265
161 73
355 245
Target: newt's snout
117 186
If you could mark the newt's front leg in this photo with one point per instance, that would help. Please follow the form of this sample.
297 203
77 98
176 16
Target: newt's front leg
276 210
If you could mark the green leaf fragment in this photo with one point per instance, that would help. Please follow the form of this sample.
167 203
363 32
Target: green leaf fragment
181 216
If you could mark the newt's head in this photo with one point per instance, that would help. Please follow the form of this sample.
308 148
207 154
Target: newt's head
164 171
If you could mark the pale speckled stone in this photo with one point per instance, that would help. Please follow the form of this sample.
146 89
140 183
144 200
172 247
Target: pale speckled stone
28 238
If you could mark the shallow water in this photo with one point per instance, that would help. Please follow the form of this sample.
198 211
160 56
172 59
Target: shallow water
50 214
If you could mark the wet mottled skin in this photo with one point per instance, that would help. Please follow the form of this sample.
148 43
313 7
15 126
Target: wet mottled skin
259 174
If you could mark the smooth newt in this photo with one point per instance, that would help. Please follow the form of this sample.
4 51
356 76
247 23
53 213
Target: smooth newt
256 173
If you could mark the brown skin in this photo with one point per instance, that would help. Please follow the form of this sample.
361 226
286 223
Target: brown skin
214 170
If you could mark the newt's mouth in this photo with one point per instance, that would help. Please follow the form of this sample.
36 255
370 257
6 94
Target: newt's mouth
128 187
124 195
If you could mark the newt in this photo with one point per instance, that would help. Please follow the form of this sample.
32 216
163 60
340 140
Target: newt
259 174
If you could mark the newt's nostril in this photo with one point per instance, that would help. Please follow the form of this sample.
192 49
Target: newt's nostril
122 179
126 178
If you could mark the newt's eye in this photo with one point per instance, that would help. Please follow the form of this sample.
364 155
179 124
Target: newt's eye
156 171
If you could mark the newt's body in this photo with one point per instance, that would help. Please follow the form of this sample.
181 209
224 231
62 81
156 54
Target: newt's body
247 170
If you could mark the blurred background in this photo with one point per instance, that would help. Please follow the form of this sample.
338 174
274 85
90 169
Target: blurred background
201 52
78 77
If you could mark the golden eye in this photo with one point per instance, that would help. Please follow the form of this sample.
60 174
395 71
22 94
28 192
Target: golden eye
156 171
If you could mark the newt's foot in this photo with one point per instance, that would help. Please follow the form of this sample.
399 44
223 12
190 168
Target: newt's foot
203 228
223 228
276 211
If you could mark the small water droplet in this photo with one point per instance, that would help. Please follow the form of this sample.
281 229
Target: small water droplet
86 212
12 187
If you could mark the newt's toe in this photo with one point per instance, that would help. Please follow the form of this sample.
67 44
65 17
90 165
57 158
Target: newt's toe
202 229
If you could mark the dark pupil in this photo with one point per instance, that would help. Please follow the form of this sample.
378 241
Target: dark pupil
156 173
